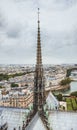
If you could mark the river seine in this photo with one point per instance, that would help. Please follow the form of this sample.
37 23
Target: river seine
73 87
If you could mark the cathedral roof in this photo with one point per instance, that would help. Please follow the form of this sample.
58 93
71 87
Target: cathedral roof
51 101
36 123
13 116
58 120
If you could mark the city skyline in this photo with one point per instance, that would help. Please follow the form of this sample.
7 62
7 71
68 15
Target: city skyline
18 31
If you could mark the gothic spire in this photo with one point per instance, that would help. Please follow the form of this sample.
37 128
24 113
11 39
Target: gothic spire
39 58
39 87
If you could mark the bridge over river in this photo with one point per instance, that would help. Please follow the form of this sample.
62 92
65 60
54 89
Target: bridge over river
69 70
57 88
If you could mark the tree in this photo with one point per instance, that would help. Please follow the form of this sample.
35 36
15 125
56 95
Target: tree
65 81
74 93
14 85
59 97
0 86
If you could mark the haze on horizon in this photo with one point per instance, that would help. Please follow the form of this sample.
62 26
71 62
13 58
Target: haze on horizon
18 31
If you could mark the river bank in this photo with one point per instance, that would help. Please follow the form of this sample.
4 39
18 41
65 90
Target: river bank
62 88
72 87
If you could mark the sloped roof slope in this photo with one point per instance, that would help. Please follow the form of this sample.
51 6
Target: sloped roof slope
14 117
52 102
36 123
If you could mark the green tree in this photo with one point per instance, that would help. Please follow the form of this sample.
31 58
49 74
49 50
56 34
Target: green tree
0 86
59 97
65 81
74 94
14 85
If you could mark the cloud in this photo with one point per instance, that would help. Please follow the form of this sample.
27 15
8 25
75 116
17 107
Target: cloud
18 30
2 21
13 31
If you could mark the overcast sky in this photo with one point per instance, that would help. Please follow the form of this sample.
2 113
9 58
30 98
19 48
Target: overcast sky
18 31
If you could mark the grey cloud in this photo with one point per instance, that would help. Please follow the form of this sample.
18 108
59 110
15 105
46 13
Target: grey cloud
19 37
58 44
66 2
13 32
57 4
2 21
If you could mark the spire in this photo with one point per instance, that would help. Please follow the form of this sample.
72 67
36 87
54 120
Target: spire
39 87
39 98
39 58
38 13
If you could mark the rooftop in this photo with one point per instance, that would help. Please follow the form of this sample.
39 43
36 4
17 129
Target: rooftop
52 102
36 124
58 120
14 117
63 120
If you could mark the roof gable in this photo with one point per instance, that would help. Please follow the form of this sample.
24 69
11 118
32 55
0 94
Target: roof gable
51 101
36 123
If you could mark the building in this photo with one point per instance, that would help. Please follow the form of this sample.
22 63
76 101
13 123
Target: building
51 102
21 101
38 118
39 98
17 101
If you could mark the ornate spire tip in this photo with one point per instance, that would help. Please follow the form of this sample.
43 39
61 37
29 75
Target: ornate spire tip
38 13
